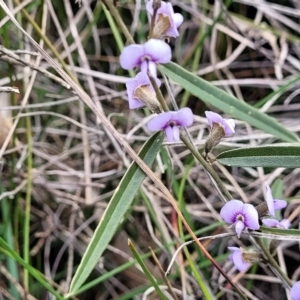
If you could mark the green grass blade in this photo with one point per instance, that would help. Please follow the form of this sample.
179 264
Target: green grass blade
146 271
226 103
5 248
115 211
265 156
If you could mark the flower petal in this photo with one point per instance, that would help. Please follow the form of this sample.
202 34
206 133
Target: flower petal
132 84
131 56
228 126
213 118
237 258
238 261
183 117
158 51
169 133
269 199
160 121
279 204
149 7
270 222
178 19
176 133
152 69
250 217
239 226
168 11
295 291
284 224
230 210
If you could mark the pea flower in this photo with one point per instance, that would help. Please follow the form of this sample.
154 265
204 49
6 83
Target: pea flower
240 215
295 291
284 224
166 21
219 128
273 204
242 258
141 92
171 121
146 56
237 258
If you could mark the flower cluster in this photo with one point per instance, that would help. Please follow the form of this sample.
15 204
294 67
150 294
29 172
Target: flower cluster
155 51
246 216
142 91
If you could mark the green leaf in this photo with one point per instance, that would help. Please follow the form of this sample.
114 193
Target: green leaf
278 231
146 271
265 156
226 103
115 211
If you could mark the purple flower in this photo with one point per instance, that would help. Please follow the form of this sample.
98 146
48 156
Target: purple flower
146 56
273 204
241 215
227 125
284 224
140 92
166 21
237 258
171 121
295 291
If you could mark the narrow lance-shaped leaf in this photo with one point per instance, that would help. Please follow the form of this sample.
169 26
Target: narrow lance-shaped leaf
115 211
226 103
287 156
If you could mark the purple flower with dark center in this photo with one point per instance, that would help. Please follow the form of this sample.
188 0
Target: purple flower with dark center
214 119
141 92
295 291
237 258
171 121
146 56
166 21
273 204
284 224
240 215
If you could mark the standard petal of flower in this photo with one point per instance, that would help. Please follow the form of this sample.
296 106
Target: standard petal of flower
230 210
229 126
279 204
239 227
158 51
169 133
184 117
160 121
213 118
295 291
250 217
131 56
269 199
178 19
238 261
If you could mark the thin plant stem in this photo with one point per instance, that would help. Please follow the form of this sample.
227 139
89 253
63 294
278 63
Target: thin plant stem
207 167
114 12
274 264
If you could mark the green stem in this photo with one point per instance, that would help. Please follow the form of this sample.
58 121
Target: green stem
114 12
206 166
159 94
273 263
